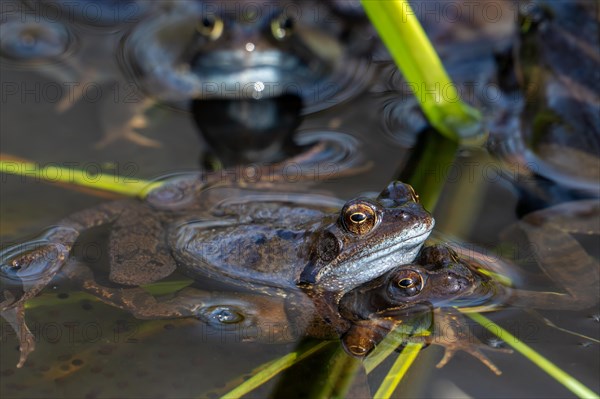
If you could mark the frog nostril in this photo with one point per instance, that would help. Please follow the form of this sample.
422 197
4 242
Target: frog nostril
404 215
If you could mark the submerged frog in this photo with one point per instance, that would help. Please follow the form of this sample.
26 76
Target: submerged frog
268 241
442 278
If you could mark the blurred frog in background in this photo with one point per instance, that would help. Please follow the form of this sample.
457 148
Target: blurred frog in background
249 71
260 65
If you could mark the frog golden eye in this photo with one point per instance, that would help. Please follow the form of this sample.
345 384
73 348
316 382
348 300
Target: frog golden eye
211 27
282 27
407 283
359 218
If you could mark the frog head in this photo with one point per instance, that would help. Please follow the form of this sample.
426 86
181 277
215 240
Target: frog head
215 50
438 277
368 237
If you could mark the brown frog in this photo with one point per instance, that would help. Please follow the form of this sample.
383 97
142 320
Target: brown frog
254 238
442 279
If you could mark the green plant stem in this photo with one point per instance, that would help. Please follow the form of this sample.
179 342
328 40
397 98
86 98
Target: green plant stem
413 53
271 369
553 370
398 370
340 376
103 181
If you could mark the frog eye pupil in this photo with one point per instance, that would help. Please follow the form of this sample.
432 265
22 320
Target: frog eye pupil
358 217
286 23
211 27
406 283
208 22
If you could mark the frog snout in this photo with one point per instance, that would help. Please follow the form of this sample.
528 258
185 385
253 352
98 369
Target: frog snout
414 214
452 283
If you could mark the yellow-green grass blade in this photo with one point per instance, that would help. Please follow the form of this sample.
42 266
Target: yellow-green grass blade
271 369
340 375
398 370
411 334
413 53
56 174
553 370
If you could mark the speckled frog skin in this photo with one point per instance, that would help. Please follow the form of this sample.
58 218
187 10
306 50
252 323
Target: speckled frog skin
265 240
424 291
442 278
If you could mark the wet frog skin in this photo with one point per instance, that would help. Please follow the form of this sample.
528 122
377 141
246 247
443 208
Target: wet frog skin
441 278
319 249
428 288
266 240
438 279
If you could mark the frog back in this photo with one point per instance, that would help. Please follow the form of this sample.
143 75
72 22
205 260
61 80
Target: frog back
260 250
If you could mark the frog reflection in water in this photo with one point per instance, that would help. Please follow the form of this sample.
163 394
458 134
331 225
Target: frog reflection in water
248 71
554 131
262 240
243 50
178 51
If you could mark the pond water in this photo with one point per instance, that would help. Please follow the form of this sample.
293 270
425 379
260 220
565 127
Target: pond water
88 349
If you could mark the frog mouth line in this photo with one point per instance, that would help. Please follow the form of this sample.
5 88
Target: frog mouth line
392 249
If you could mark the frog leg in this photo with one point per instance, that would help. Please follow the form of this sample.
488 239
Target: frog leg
69 228
15 316
121 120
450 333
246 312
25 269
139 253
253 317
135 300
75 94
